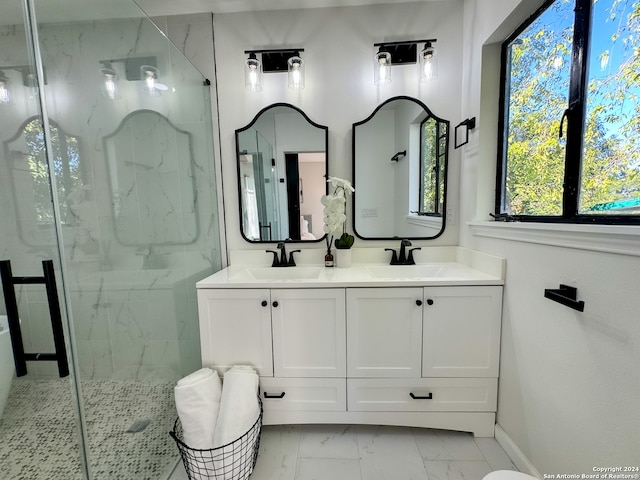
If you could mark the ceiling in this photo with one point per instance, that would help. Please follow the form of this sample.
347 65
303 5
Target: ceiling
171 7
53 11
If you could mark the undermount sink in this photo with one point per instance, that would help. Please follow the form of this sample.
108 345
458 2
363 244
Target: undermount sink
404 271
284 273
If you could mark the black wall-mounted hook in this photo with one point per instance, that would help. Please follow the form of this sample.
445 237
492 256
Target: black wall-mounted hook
566 295
398 156
469 124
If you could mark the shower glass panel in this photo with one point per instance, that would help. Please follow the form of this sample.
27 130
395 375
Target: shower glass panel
130 129
39 416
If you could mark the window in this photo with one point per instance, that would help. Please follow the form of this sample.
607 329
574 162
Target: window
433 145
570 115
27 153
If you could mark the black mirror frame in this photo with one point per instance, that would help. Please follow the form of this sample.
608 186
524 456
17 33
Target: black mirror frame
353 168
237 150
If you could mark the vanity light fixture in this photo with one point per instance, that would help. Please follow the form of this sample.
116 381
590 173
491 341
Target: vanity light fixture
5 96
149 75
253 73
428 62
278 60
143 70
29 80
295 69
404 52
110 80
382 67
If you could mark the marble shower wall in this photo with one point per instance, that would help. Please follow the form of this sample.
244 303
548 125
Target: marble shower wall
133 302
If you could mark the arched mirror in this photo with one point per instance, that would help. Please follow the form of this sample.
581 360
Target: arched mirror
400 171
282 171
151 167
30 180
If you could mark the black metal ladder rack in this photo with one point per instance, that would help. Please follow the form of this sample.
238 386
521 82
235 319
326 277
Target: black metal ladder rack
8 287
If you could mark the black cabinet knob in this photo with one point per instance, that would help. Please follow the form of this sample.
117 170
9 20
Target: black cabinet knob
264 303
419 302
275 304
429 302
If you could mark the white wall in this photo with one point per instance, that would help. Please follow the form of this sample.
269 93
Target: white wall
569 384
338 50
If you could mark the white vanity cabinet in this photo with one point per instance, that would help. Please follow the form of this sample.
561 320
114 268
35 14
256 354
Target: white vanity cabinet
280 332
455 365
235 328
362 352
384 332
295 338
461 331
308 332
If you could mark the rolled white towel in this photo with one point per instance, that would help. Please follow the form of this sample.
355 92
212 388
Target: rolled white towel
197 399
239 408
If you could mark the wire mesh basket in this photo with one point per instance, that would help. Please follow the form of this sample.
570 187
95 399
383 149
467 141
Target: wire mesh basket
233 461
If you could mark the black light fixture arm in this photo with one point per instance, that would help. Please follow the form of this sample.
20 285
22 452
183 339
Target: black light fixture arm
275 59
403 51
276 50
405 42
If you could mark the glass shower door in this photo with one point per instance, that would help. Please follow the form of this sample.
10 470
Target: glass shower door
134 187
39 410
144 225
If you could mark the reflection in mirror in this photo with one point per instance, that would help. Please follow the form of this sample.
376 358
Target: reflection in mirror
151 170
400 171
30 179
282 169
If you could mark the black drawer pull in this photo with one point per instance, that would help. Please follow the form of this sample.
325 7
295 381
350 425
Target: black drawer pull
416 397
264 303
429 302
266 395
275 304
419 302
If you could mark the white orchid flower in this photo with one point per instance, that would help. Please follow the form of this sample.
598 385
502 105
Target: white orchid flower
335 207
341 182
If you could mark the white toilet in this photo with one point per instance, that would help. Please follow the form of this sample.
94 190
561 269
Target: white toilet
507 475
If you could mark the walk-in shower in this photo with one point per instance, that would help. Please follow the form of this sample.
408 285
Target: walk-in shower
106 169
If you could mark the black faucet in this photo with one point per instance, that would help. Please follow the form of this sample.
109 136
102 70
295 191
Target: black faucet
283 254
402 259
282 261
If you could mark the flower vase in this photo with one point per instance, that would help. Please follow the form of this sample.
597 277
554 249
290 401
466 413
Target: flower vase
343 257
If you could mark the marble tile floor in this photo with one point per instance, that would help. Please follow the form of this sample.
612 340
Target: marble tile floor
369 452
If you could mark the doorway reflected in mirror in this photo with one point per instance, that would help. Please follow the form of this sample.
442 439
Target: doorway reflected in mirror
282 168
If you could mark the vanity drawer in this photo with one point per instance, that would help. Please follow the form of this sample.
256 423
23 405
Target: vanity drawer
446 394
303 394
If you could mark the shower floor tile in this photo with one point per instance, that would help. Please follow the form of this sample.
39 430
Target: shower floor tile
40 434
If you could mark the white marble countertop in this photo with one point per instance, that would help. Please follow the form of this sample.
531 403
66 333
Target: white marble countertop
361 275
446 266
